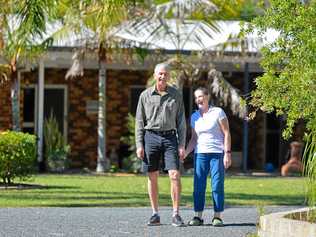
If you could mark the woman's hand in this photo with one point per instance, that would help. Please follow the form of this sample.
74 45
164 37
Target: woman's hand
227 160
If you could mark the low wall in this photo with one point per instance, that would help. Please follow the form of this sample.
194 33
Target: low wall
276 225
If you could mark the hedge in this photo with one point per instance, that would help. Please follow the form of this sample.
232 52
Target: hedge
17 156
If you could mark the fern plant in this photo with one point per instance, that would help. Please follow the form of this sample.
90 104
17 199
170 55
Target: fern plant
131 163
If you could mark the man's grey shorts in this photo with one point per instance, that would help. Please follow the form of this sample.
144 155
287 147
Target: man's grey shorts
160 147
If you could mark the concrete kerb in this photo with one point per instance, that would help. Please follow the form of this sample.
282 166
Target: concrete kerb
276 225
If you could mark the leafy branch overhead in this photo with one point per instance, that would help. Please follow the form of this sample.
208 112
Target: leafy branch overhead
288 85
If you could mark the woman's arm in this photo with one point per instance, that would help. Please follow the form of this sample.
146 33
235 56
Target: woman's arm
227 142
192 143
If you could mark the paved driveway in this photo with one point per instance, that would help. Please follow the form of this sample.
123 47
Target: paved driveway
97 222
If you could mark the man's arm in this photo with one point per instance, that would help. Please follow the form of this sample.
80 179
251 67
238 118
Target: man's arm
181 128
139 128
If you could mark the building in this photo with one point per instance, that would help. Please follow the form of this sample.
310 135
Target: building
74 103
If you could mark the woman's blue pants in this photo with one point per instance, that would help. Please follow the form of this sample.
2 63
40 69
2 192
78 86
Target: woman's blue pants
205 163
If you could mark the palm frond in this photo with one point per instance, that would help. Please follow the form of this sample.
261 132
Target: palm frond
159 33
77 66
226 93
102 15
4 73
184 8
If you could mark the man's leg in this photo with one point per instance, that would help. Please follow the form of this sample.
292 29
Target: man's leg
172 164
175 189
175 186
151 167
153 190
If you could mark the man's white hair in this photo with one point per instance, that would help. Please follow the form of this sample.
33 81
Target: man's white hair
161 66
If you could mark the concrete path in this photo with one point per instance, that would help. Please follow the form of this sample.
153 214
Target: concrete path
106 222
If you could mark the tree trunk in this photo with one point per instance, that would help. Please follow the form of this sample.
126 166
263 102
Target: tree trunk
15 101
102 163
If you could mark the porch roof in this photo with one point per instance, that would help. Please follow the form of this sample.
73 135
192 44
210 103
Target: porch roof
226 38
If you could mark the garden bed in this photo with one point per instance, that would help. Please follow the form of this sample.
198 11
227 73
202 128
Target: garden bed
309 216
287 224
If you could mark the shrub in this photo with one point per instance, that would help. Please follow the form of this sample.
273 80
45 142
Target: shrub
131 163
17 156
56 149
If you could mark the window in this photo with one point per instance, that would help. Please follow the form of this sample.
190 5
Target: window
29 110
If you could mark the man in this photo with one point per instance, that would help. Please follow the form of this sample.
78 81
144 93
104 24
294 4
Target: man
160 133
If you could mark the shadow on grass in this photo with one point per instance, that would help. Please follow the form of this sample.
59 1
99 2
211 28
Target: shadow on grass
94 199
23 186
121 204
265 198
70 196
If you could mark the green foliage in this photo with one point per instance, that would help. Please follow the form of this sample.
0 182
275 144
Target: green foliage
113 169
261 212
309 159
252 235
25 40
244 10
17 156
288 85
56 148
131 163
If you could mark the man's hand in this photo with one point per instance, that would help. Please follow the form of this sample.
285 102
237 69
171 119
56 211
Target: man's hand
140 153
181 151
227 160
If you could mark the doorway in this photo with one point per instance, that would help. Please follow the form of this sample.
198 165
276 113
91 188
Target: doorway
55 101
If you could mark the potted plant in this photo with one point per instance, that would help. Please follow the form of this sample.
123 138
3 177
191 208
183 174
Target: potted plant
56 148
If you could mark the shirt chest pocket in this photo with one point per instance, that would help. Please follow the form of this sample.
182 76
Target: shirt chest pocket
171 106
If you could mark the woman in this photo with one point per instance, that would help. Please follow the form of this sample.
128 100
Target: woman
212 144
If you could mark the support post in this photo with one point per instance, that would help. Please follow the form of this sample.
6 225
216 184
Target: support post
40 118
245 123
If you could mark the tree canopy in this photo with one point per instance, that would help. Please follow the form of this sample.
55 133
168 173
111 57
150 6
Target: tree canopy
288 85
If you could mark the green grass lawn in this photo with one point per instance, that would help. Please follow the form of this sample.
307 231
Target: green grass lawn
114 191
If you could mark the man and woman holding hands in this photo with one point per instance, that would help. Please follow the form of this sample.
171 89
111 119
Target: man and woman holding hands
160 132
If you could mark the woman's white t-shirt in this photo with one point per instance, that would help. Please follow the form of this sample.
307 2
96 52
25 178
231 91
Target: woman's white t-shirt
210 138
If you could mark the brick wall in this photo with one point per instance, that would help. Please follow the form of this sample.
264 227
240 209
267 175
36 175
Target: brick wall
82 127
5 106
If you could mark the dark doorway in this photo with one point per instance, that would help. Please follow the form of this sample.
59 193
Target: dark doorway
54 103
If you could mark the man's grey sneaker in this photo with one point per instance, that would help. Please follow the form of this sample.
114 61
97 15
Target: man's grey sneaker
154 220
217 222
177 221
196 221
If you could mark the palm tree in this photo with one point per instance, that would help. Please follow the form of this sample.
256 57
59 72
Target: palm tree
22 25
172 25
99 16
